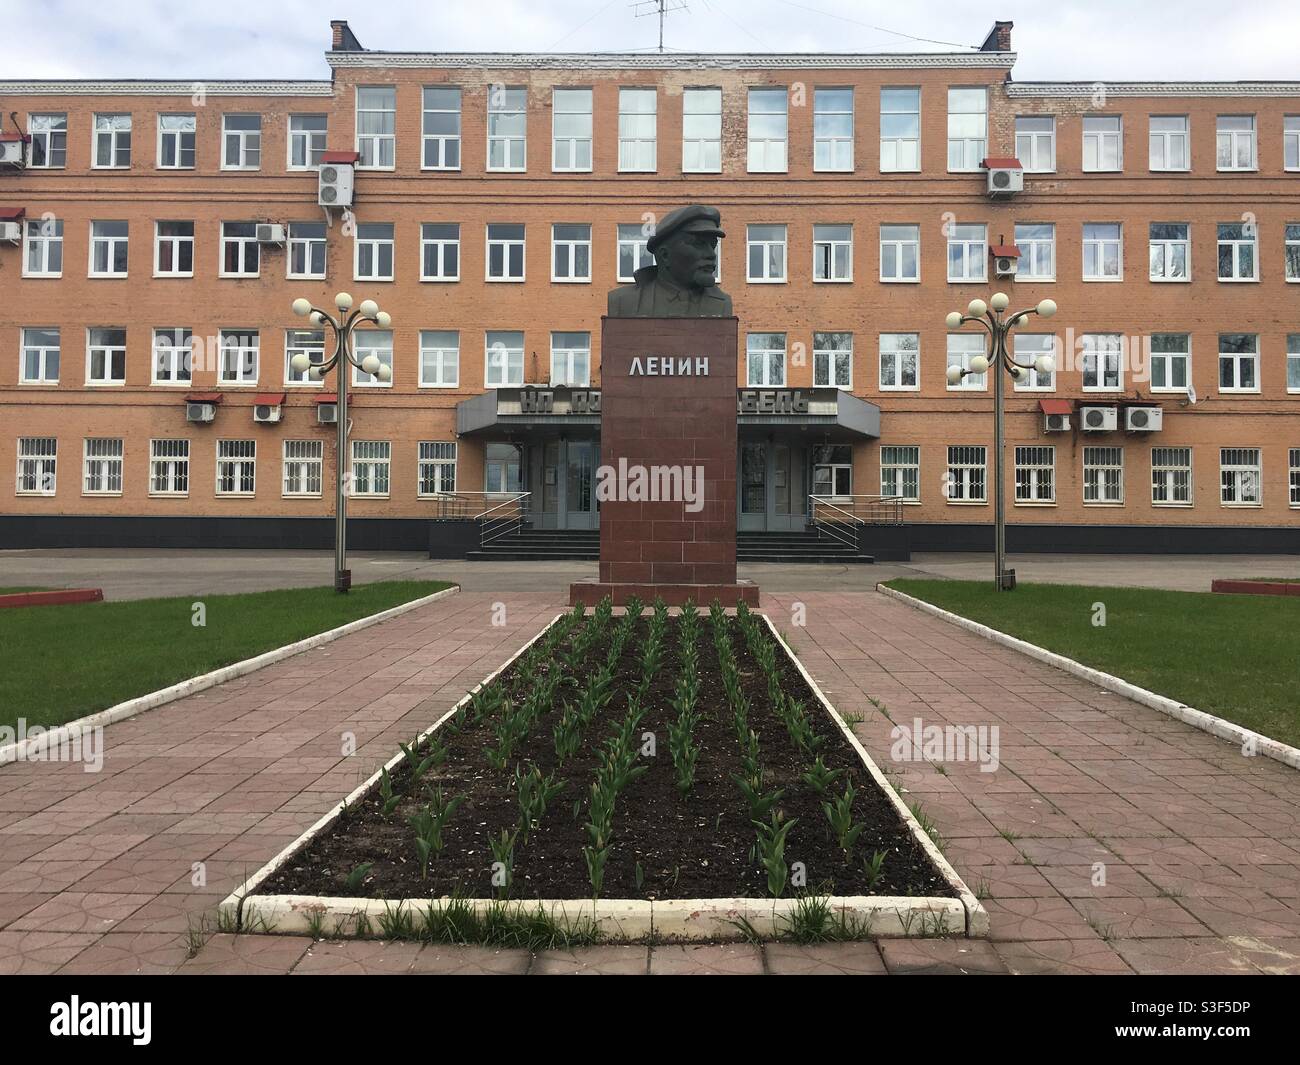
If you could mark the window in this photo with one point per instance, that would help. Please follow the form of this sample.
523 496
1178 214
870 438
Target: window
1240 475
241 137
505 252
37 465
570 253
236 467
239 249
105 356
1026 349
1103 475
766 253
967 128
571 129
309 342
239 350
900 472
440 251
376 342
1103 251
967 252
173 249
172 357
571 359
768 121
40 358
1169 145
507 128
1292 252
1103 143
437 467
900 253
43 254
1237 257
1035 475
47 147
374 252
501 468
1234 138
176 142
900 361
1171 476
833 129
1238 362
1293 362
169 467
108 249
441 129
1102 362
900 130
833 360
637 119
967 475
308 137
701 131
832 471
377 127
962 347
1171 362
439 358
505 360
1291 142
112 142
1036 143
303 460
765 360
1171 251
1037 244
307 249
632 251
1293 475
102 467
832 253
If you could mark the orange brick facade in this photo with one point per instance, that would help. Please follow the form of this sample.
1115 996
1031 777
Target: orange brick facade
932 417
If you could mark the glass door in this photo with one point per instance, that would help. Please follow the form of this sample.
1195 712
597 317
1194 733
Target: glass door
579 484
753 486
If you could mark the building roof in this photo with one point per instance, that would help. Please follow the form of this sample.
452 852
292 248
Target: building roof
669 61
1075 89
163 87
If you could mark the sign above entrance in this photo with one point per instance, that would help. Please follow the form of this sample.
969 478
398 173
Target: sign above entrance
771 401
559 400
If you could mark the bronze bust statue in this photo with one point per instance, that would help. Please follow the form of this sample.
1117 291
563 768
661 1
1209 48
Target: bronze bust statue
680 284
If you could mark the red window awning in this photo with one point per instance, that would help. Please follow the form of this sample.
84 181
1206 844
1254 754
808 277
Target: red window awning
339 157
1009 162
1004 251
1055 406
269 399
203 397
327 397
12 214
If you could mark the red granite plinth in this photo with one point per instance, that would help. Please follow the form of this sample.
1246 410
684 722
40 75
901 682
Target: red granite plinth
589 593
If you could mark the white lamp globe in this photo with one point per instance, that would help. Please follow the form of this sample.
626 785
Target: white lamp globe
370 364
1000 301
343 301
316 318
977 308
385 373
1045 364
979 364
1046 308
953 320
383 319
301 362
369 308
301 307
315 373
954 374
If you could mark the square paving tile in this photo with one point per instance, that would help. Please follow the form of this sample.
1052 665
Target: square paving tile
1079 957
227 954
970 957
609 960
131 953
470 961
81 911
824 959
37 952
357 957
709 959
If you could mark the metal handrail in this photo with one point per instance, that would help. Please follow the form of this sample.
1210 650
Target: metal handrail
843 521
505 517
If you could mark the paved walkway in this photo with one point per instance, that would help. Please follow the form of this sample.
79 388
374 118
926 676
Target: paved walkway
1200 847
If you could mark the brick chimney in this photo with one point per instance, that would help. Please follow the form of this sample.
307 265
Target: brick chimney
998 39
343 39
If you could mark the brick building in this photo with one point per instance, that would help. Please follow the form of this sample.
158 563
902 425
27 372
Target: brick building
498 198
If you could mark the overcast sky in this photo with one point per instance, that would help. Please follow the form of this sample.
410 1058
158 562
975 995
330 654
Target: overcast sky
1128 40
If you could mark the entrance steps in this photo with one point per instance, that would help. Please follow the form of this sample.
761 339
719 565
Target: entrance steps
806 546
583 545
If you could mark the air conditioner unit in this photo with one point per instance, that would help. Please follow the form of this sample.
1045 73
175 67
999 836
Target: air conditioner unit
327 414
1098 419
335 186
1004 265
1056 423
12 153
270 233
1143 419
200 412
1005 180
268 412
11 231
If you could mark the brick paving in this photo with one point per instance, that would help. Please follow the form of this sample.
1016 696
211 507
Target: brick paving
1111 839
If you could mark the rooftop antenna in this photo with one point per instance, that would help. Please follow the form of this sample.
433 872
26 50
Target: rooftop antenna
660 8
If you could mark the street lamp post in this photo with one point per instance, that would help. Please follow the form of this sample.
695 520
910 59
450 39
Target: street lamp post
991 317
342 327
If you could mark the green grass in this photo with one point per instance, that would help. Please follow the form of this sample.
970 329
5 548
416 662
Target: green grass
64 662
15 591
1230 655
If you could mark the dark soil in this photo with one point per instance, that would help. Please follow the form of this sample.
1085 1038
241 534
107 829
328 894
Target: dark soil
697 846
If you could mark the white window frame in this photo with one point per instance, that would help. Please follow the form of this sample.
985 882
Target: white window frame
50 129
892 147
1098 245
637 152
967 474
1167 246
1291 252
169 467
506 244
1238 360
302 465
441 356
179 135
377 342
1166 139
1104 362
177 244
1293 477
574 146
303 140
380 237
439 246
309 342
440 143
1238 245
305 247
119 146
571 352
707 146
506 356
172 351
434 459
101 466
774 251
1233 139
895 246
894 350
240 456
767 377
1241 473
824 356
43 352
1038 487
1033 250
974 252
40 455
1035 344
501 108
1098 462
972 150
961 348
826 249
1033 144
633 245
767 154
1169 360
246 143
1171 475
108 354
1291 143
1293 363
110 242
240 357
372 148
572 246
247 248
900 470
47 235
833 143
1103 134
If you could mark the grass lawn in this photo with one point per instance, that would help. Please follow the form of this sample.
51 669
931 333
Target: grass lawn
64 662
1235 656
15 591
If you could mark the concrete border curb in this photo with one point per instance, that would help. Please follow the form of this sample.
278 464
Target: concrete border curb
1199 719
139 705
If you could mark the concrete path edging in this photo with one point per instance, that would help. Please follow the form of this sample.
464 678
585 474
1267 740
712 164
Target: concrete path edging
14 752
1199 719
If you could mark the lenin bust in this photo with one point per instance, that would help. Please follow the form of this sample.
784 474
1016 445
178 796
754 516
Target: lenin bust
680 284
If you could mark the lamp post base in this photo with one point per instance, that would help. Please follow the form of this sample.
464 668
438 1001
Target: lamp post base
1007 581
342 580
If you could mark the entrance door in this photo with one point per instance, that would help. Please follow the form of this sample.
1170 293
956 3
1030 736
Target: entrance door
753 486
581 459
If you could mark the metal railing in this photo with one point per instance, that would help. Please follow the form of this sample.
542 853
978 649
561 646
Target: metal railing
840 517
503 518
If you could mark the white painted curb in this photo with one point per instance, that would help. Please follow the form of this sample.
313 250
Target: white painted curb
1216 726
15 752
